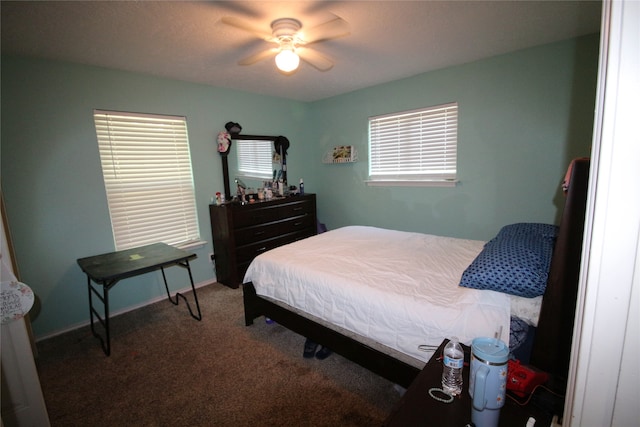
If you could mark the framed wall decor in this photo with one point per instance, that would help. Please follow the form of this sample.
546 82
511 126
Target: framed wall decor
341 154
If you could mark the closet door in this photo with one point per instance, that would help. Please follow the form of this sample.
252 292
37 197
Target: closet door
22 400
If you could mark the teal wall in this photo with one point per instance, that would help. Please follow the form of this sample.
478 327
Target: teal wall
52 180
522 117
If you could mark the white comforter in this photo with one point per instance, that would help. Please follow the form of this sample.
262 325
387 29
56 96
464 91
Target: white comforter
397 288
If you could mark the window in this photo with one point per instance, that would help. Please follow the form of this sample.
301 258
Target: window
146 167
417 147
255 158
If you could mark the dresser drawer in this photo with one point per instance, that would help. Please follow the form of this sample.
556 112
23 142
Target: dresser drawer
248 235
258 213
246 253
242 232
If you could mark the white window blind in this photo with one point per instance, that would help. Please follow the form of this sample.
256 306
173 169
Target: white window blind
418 145
146 167
255 158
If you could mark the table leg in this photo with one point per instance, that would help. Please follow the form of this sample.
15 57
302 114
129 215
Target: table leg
106 342
179 295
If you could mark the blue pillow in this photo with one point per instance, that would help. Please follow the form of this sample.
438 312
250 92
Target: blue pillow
530 229
515 262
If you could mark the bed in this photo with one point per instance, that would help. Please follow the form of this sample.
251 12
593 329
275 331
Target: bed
386 299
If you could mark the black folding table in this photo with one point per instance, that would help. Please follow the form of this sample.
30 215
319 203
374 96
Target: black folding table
108 269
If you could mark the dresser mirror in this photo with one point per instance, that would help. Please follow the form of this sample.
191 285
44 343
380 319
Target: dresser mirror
258 159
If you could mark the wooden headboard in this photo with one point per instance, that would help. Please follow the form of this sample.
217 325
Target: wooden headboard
552 344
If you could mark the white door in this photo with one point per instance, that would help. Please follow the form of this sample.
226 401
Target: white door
604 377
22 400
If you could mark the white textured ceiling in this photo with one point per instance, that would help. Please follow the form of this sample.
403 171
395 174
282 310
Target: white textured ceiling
187 41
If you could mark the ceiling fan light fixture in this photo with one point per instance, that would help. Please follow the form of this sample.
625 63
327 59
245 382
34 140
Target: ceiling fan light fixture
287 60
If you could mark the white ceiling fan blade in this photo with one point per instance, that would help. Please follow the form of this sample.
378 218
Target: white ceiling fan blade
260 56
315 59
244 25
335 28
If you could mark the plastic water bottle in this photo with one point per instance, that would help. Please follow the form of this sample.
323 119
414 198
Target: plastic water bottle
301 187
453 361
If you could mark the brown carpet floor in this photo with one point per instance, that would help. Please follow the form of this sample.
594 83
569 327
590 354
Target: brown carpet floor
166 369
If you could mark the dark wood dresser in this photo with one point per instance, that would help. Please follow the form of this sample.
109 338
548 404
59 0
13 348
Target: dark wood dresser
242 232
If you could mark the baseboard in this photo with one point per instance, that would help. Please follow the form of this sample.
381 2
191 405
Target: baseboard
122 311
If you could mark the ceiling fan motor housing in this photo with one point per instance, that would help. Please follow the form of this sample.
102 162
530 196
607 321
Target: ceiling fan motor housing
285 28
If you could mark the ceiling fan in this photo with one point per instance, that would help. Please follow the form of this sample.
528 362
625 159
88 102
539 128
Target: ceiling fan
292 42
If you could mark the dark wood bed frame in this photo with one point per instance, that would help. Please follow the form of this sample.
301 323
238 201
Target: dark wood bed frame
552 343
